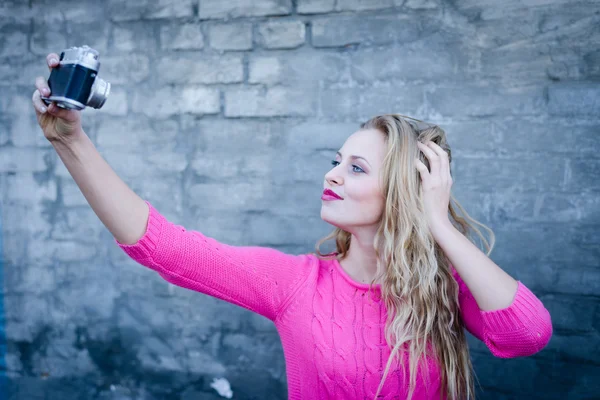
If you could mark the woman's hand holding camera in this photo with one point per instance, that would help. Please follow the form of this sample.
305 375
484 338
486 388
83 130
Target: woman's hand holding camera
57 124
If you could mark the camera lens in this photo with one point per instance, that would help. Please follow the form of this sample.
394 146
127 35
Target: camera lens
99 93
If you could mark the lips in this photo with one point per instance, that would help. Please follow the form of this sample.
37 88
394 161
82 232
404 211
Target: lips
329 192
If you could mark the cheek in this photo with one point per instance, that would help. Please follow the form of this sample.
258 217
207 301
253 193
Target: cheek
368 197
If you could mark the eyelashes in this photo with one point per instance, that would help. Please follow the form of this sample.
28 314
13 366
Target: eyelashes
335 163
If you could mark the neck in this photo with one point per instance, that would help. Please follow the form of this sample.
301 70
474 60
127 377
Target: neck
360 262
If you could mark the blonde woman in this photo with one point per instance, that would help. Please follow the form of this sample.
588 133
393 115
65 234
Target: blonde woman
381 317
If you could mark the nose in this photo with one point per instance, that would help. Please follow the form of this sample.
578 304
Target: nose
333 178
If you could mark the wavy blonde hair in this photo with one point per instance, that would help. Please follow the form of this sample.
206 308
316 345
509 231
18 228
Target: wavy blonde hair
417 285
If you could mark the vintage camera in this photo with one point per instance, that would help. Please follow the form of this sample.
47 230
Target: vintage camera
74 83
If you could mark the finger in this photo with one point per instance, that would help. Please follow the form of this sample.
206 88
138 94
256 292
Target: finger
427 150
431 156
42 85
38 104
422 168
57 111
52 60
444 162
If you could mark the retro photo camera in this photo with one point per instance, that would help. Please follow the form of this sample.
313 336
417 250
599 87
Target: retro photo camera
74 83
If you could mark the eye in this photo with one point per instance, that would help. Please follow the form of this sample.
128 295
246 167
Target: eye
335 163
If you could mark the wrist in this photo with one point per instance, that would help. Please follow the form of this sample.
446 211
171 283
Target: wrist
68 140
442 228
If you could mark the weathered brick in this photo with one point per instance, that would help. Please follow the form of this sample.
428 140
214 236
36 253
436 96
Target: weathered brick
418 4
298 69
583 347
16 13
475 174
139 133
471 137
378 30
580 173
23 217
583 280
374 64
14 43
309 137
276 101
282 34
4 132
518 64
93 34
228 196
169 101
571 99
63 251
14 159
133 36
129 11
361 5
527 134
23 71
198 68
474 101
44 40
343 103
170 9
23 187
81 12
181 37
572 315
231 36
146 9
242 8
124 69
315 6
540 207
243 135
265 69
240 167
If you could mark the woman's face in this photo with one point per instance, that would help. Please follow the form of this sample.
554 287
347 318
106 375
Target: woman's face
356 180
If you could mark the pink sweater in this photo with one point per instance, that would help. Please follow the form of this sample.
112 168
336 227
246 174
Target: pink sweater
331 332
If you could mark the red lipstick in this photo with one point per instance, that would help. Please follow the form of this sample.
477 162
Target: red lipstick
329 194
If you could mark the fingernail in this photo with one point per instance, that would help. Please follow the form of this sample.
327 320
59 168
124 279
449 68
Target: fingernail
43 109
53 61
46 91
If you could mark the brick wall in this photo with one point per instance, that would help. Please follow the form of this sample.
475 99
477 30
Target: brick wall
252 98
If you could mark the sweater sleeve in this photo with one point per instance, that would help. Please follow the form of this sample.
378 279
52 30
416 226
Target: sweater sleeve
260 279
521 329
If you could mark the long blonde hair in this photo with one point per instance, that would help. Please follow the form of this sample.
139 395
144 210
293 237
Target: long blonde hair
417 285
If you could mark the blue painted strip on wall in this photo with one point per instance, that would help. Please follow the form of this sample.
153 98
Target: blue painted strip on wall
3 377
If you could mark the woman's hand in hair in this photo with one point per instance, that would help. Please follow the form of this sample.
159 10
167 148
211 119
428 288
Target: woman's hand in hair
436 185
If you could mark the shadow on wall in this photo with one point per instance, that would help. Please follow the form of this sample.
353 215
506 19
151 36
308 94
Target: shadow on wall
3 379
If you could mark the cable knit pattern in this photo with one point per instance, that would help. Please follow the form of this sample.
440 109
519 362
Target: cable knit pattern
331 327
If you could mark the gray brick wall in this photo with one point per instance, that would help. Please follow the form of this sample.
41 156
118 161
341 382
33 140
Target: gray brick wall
215 97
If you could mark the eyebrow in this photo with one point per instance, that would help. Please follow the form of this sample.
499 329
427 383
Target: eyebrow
354 157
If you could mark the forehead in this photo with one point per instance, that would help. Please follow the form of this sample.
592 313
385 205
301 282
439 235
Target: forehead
367 143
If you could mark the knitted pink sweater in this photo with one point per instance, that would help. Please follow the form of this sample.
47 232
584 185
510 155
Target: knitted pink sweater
331 330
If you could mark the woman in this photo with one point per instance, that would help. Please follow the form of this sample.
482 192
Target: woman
383 316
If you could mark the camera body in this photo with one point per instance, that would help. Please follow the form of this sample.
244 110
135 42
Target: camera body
74 83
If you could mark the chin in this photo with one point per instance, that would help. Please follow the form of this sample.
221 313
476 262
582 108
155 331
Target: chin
332 221
327 218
